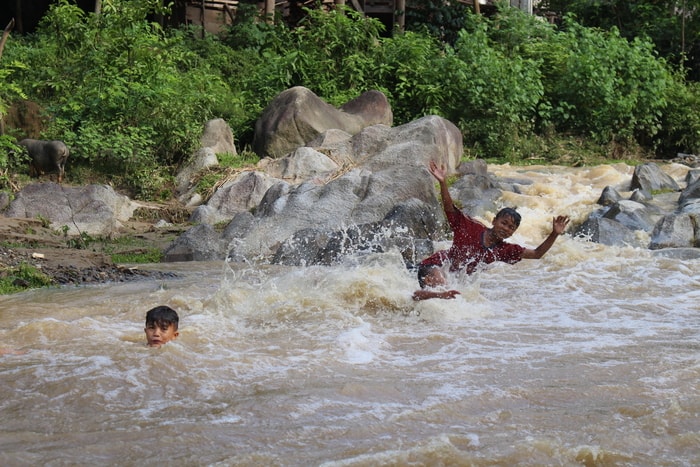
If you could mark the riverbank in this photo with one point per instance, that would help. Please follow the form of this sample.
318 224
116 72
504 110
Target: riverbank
64 261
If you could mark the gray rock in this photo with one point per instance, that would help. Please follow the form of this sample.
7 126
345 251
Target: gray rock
200 243
632 215
690 194
391 174
4 200
673 231
243 193
609 196
398 230
200 160
476 194
415 143
302 164
218 136
691 206
649 177
474 167
692 176
608 232
641 196
685 254
90 209
297 116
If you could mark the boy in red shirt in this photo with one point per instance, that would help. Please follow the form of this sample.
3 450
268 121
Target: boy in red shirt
474 243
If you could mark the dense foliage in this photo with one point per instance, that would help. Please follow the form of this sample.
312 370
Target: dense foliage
673 26
130 98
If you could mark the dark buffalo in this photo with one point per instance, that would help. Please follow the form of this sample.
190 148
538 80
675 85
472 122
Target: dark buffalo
46 157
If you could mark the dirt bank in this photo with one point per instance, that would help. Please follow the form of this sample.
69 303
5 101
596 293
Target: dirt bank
30 241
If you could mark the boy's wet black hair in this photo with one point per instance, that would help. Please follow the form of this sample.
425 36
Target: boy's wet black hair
512 213
162 316
423 271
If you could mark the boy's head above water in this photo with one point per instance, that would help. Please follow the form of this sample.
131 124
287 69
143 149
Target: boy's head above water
161 325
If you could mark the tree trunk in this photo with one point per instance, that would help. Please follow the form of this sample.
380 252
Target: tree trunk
18 16
98 7
401 7
6 34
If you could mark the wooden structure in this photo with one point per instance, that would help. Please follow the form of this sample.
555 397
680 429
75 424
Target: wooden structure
213 15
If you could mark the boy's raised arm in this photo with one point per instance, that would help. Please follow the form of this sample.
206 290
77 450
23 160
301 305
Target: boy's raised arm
558 226
440 174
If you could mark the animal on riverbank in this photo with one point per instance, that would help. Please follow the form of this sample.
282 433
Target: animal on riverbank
46 157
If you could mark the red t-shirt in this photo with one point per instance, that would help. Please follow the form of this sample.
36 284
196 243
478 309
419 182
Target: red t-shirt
468 250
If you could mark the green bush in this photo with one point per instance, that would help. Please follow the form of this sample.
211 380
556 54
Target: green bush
680 126
605 87
24 276
407 72
124 95
492 96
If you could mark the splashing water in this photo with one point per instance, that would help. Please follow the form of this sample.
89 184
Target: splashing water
588 356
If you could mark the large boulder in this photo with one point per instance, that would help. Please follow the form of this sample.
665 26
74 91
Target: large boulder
297 116
650 178
91 209
391 169
407 228
382 174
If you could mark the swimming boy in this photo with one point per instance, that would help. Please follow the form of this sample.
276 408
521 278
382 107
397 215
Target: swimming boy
161 325
474 243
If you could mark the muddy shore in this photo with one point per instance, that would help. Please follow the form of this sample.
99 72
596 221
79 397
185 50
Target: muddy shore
30 242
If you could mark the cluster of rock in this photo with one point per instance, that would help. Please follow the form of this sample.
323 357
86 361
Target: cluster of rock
657 206
339 181
336 193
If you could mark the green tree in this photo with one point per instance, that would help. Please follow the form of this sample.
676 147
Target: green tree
673 26
603 86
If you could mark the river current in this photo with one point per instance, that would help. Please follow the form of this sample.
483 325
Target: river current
589 356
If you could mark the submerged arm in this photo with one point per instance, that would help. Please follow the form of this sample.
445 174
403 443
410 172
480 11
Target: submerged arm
428 294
